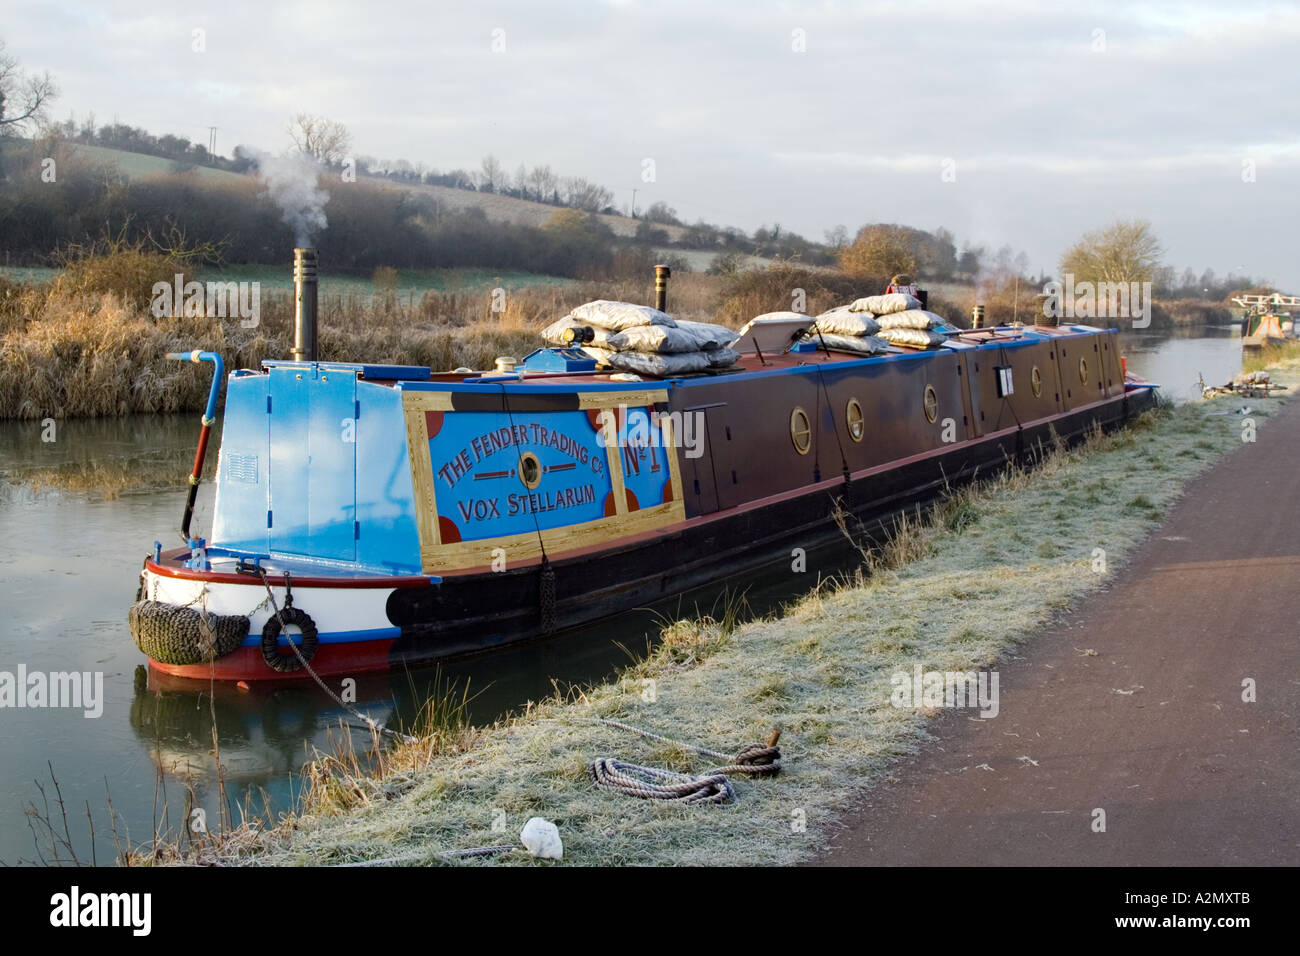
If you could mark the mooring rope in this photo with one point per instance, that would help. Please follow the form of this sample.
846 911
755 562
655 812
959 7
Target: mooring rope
374 725
651 783
546 573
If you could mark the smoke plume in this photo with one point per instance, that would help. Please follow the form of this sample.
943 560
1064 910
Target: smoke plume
293 183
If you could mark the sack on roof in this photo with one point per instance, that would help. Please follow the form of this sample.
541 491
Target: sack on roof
709 334
722 357
864 344
843 322
879 305
617 316
646 363
917 338
662 339
553 334
912 319
657 339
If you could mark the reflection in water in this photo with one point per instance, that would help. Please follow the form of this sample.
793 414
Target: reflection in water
102 457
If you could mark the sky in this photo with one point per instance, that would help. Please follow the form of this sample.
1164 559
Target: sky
1008 123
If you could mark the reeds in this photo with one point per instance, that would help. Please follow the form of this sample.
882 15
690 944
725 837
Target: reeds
69 352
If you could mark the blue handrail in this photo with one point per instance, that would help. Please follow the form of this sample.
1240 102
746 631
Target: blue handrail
209 419
210 414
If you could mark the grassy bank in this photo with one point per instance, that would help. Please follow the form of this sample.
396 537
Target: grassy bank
956 589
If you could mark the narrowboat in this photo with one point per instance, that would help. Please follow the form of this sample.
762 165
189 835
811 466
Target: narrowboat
370 516
1265 324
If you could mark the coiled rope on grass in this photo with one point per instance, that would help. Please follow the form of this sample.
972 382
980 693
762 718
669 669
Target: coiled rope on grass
712 786
650 783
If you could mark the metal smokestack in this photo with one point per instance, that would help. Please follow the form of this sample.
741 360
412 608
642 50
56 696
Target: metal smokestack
304 312
661 287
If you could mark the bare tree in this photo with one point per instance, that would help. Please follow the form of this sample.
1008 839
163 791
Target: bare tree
492 176
1124 251
325 140
23 98
543 182
582 194
837 238
662 212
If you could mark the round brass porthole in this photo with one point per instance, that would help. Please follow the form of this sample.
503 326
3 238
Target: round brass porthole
530 470
1083 371
1036 382
854 421
931 404
800 430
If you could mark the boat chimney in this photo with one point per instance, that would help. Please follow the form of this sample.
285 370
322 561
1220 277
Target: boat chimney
977 317
661 287
304 297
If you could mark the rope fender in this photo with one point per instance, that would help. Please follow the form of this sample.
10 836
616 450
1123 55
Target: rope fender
175 634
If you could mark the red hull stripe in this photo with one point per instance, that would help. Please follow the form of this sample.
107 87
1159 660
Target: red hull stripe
246 663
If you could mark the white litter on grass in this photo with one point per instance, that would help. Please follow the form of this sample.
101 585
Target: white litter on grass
542 838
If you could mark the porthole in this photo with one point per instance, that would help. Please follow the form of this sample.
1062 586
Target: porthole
931 404
800 431
1083 371
1036 382
530 470
853 420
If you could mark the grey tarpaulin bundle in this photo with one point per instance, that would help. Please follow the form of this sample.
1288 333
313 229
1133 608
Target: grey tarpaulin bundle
639 339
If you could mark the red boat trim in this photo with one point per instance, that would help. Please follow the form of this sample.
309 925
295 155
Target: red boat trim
277 578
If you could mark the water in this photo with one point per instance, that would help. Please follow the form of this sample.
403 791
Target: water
79 514
1175 362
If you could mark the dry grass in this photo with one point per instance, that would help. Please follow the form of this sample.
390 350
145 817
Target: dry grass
1254 360
952 589
70 351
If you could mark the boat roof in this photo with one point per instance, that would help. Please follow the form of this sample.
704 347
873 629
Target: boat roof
808 352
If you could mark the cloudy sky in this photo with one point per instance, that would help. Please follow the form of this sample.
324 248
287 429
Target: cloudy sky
1010 122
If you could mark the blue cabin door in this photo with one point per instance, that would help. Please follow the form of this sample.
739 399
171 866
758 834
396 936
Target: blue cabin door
313 458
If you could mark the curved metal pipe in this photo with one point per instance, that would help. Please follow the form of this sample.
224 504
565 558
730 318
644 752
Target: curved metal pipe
209 419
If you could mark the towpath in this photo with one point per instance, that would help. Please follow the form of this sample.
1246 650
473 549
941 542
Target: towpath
1133 705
